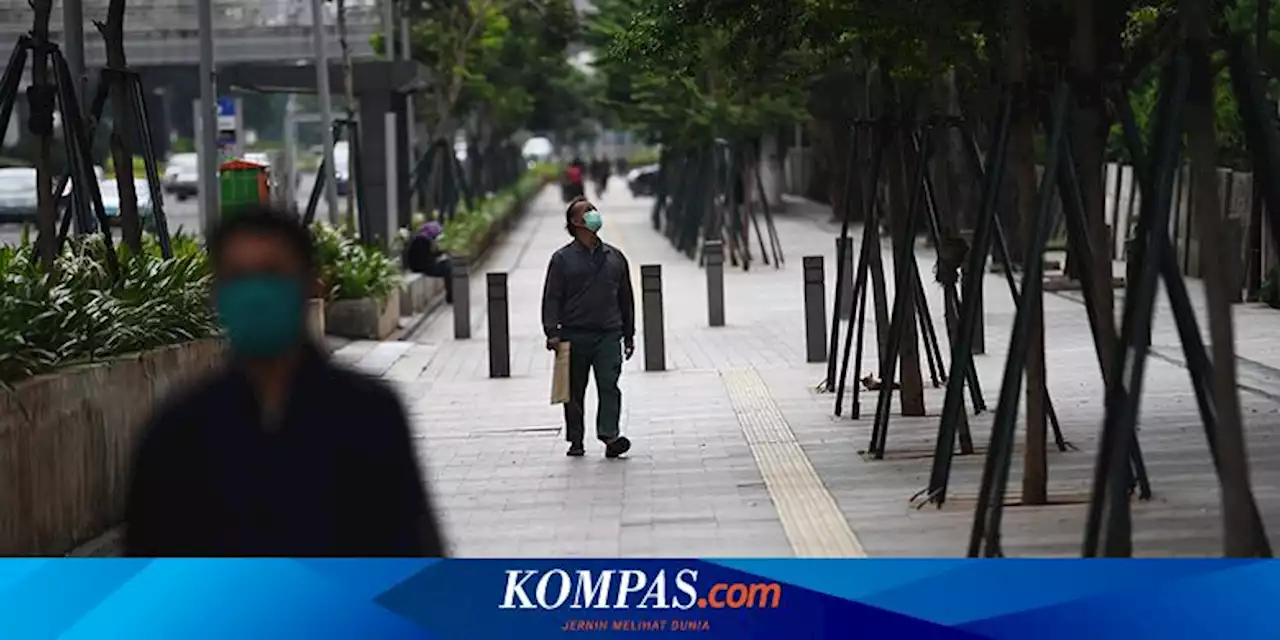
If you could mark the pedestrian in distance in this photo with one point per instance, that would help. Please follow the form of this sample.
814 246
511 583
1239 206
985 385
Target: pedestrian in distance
281 452
600 173
423 254
587 301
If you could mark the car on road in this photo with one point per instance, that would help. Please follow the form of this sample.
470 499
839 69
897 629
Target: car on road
263 159
643 181
111 202
18 193
182 175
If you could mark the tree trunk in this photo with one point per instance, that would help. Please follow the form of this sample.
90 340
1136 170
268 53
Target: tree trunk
1035 474
46 203
122 126
836 140
902 168
1089 144
1206 209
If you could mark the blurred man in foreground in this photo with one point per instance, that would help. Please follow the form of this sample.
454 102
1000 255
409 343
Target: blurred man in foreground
281 453
587 301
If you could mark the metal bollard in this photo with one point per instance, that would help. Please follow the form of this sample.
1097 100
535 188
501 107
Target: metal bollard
461 299
499 326
713 250
815 309
655 347
844 253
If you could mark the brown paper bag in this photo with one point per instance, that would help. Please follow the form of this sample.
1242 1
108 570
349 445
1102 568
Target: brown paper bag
560 376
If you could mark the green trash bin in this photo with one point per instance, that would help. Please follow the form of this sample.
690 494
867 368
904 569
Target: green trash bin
243 185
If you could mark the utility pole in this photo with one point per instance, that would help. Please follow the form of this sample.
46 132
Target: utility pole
208 122
353 120
326 110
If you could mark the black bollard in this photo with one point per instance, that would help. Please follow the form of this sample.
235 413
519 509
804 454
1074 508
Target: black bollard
461 299
499 326
714 252
655 358
815 310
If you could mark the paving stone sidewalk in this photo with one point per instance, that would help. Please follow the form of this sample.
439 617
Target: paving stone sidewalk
737 454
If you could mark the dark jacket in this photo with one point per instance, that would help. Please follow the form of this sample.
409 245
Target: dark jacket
337 476
588 290
422 254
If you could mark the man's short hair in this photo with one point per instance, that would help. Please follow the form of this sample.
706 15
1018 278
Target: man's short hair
568 212
264 220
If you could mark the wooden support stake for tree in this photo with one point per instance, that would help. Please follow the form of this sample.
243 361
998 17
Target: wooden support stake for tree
122 126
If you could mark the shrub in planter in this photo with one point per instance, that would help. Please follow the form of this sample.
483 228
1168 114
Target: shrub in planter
350 270
361 285
465 234
79 315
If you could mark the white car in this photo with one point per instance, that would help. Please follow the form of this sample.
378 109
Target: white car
182 175
111 200
18 201
263 159
17 194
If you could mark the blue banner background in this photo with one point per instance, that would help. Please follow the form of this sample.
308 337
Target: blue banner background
273 598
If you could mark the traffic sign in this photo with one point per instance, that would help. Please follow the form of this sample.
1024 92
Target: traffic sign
226 114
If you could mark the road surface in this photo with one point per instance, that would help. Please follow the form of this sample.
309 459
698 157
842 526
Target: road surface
184 215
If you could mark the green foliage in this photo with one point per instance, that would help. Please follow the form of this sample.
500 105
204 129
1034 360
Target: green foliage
504 60
350 270
464 235
676 75
139 167
80 315
649 155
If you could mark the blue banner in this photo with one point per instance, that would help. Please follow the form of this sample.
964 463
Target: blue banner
368 599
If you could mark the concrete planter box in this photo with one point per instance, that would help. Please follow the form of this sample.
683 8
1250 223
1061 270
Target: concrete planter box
66 443
419 293
315 320
363 319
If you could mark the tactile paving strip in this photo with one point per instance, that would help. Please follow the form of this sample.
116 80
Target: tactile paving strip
809 514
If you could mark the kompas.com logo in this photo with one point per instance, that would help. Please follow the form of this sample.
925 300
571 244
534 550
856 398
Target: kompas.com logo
631 589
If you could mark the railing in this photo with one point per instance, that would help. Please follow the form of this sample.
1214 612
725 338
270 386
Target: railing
167 31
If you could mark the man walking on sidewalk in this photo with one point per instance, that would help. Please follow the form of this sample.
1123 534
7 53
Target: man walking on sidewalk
281 452
587 301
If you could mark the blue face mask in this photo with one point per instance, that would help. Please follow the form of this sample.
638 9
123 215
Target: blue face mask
263 314
591 220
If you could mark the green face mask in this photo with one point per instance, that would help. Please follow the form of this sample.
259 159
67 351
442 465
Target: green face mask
262 314
592 221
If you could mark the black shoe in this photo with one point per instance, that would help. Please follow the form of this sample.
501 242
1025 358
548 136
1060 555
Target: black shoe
576 450
617 447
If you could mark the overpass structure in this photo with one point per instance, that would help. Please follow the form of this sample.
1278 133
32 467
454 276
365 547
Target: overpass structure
166 33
